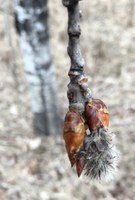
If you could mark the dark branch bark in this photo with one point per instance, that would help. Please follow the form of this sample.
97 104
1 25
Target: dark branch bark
78 91
74 31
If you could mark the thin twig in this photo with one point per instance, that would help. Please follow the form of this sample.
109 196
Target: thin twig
78 92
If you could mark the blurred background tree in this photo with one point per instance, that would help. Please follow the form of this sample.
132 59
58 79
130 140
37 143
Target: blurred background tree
31 21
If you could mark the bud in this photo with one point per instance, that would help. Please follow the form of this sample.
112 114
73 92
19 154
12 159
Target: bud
74 131
96 114
97 157
80 163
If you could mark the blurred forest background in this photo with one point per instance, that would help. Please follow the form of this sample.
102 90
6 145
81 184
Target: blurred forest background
35 167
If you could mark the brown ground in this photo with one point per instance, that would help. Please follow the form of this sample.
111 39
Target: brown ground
37 168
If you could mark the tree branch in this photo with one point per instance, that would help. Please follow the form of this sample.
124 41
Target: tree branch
78 91
91 152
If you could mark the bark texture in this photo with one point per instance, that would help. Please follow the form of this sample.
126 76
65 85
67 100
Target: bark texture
32 26
78 91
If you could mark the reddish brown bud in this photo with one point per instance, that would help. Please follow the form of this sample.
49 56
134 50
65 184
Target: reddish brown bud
96 114
80 163
74 131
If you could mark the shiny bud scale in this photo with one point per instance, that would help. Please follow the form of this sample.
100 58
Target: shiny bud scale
73 134
96 114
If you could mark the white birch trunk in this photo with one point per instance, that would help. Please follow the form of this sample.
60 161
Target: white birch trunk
32 26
